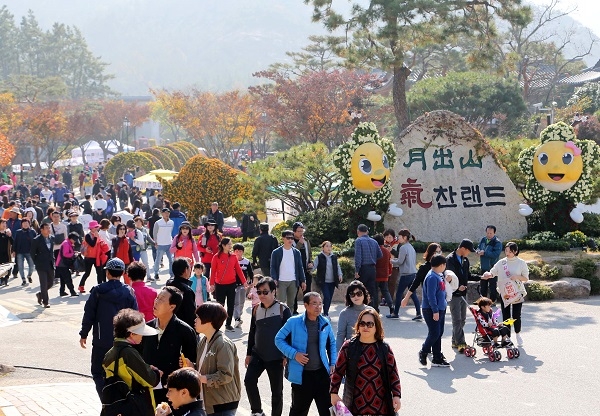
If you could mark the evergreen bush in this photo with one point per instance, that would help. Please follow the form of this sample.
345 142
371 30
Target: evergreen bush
537 292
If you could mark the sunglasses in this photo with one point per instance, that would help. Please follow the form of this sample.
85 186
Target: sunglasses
289 238
356 294
263 292
362 324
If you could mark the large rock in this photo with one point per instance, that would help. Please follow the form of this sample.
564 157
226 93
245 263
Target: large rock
570 288
449 183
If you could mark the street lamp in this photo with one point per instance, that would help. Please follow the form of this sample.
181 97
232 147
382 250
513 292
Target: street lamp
126 125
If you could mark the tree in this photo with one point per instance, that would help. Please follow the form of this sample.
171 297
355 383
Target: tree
384 31
532 50
313 107
303 177
106 124
169 109
476 96
57 61
45 126
221 123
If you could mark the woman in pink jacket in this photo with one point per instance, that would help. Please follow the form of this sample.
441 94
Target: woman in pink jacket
64 263
183 244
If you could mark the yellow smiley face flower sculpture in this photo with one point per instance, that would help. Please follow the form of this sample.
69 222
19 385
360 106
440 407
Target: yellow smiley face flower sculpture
560 167
365 162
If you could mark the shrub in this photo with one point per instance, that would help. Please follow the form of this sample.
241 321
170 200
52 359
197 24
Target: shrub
348 271
202 181
542 236
231 232
116 167
330 223
576 238
558 245
537 291
590 225
281 227
543 271
586 269
345 249
475 269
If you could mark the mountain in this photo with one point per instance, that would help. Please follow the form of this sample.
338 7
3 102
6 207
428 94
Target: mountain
212 45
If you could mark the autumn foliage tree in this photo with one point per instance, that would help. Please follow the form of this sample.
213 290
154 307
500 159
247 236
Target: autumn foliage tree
313 107
204 180
221 123
107 122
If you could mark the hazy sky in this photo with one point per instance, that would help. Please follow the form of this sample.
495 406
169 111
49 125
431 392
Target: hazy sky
588 11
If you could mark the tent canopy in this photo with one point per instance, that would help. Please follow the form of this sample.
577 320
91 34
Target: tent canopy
149 180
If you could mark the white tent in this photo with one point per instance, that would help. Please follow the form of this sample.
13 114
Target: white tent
93 152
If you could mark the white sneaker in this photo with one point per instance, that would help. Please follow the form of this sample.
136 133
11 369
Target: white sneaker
238 323
519 340
258 414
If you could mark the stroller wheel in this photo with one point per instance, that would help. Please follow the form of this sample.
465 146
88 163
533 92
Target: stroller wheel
509 353
467 352
497 355
516 352
473 352
492 356
485 350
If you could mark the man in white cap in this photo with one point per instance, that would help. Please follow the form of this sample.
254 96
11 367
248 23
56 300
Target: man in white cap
105 301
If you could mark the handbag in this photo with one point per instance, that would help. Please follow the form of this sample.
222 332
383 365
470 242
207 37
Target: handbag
118 399
79 264
512 291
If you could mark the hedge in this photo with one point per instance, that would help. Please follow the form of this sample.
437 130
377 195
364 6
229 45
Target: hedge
157 162
180 154
116 167
186 147
201 181
167 157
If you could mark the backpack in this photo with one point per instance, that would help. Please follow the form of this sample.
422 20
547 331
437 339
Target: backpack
254 308
117 399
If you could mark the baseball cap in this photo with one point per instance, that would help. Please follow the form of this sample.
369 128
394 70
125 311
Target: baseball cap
264 226
297 225
142 329
468 244
115 264
166 210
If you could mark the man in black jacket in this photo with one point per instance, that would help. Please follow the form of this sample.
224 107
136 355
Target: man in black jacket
182 272
105 301
42 253
458 262
22 248
215 214
177 338
264 245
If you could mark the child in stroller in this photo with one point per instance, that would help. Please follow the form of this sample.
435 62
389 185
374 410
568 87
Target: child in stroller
488 331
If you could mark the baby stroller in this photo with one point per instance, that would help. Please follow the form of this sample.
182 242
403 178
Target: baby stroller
486 342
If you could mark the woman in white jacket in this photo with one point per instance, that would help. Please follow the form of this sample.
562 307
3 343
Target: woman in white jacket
512 272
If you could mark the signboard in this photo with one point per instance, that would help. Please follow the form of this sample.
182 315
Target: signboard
449 185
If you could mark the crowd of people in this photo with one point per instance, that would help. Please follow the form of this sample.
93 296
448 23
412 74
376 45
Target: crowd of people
168 346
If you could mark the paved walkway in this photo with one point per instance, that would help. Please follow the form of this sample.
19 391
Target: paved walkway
65 399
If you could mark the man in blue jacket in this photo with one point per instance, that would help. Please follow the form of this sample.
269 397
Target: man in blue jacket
177 217
307 341
489 251
101 307
287 269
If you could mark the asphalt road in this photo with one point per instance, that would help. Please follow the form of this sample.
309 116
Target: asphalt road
557 372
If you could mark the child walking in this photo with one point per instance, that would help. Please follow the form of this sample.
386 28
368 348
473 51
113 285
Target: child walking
240 290
200 284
